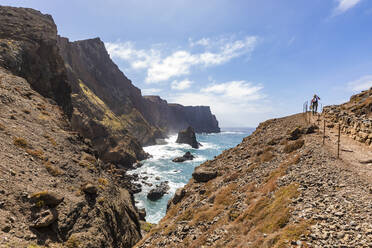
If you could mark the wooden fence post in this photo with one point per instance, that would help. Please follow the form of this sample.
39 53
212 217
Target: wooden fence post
324 124
338 140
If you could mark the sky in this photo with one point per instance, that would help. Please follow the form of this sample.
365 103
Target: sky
249 60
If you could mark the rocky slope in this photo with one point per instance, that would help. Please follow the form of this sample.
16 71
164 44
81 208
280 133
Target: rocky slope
53 189
279 188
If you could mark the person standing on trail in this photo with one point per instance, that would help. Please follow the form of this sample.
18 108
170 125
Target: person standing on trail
314 103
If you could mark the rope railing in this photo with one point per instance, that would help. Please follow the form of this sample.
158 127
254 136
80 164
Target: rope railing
307 116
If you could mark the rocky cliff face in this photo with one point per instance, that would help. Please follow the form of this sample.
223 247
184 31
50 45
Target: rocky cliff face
28 49
175 117
54 190
111 112
355 117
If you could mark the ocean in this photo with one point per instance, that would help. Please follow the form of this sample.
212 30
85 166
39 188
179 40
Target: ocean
160 168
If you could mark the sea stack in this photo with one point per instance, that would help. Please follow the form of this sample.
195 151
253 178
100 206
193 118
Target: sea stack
188 137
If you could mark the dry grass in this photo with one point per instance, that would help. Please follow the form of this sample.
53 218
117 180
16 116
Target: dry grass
293 146
266 156
72 242
45 113
53 170
20 142
36 153
2 127
103 181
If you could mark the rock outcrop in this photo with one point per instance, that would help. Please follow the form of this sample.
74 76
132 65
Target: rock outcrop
355 117
188 137
158 191
175 117
185 157
28 49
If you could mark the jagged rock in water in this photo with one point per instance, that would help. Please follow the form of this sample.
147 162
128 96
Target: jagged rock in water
202 174
158 191
188 137
186 156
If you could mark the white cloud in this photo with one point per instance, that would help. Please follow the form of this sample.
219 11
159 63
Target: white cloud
239 90
179 63
181 85
202 42
150 91
235 103
138 59
345 5
360 84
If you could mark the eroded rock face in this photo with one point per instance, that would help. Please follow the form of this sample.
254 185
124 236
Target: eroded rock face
175 117
355 117
188 137
28 49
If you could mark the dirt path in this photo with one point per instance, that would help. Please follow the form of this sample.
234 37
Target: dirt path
357 156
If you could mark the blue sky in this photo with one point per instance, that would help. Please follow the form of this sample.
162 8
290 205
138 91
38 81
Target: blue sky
250 60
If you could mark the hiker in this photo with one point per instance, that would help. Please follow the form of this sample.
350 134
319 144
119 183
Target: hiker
314 104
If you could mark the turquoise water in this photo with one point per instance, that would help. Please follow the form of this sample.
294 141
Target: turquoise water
178 174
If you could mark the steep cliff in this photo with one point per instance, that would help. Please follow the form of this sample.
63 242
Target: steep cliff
28 49
54 190
90 66
175 117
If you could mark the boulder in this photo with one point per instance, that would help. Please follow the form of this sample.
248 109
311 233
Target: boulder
309 129
295 134
142 214
90 189
158 191
186 156
203 174
188 137
180 193
45 218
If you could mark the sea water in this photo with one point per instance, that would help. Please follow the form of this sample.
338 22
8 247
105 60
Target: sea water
160 168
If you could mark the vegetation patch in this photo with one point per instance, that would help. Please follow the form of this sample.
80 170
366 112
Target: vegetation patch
72 242
36 153
53 170
147 226
20 142
267 156
293 146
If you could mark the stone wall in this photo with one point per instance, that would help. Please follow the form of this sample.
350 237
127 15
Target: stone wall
354 116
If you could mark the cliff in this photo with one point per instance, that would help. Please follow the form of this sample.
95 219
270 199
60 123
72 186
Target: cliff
54 189
279 188
175 117
110 110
